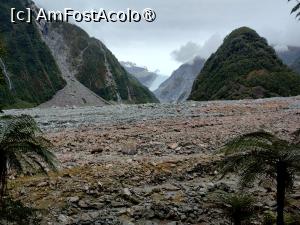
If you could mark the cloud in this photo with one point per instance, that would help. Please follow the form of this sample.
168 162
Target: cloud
186 52
191 50
281 48
180 22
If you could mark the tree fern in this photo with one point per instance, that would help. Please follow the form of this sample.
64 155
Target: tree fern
22 148
261 155
296 9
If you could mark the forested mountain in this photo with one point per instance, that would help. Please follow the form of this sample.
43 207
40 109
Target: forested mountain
245 66
29 74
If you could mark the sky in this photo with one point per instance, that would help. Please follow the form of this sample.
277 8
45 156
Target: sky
184 29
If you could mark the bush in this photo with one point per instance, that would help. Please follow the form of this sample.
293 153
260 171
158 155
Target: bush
15 212
238 207
290 219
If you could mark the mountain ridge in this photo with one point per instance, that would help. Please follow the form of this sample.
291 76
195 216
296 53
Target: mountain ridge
179 85
92 74
33 73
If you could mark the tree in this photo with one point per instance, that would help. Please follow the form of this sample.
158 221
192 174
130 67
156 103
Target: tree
296 9
262 155
22 149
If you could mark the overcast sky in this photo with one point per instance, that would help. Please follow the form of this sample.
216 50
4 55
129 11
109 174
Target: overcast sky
184 28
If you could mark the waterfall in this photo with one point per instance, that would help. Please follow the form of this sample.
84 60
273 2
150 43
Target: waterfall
4 70
110 76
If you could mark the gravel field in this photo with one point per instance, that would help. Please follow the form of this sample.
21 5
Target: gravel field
150 164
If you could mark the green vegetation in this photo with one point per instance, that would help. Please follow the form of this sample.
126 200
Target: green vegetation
244 67
261 155
238 207
90 57
289 219
15 212
22 149
32 69
296 9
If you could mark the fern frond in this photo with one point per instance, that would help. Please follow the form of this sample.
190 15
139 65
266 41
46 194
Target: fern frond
296 8
257 140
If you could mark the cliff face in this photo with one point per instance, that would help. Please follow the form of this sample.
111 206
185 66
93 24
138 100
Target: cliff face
245 66
29 73
93 65
178 87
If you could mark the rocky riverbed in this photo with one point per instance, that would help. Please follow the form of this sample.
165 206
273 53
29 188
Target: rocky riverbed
149 164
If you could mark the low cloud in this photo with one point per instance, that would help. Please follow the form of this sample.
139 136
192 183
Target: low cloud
186 52
191 50
281 48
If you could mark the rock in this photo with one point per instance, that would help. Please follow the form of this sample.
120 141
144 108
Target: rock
173 146
211 186
82 204
295 196
63 219
127 192
96 151
87 204
42 184
148 222
129 150
74 199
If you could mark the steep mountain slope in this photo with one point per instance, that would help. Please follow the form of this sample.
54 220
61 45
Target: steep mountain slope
93 65
244 67
289 54
142 74
296 66
29 74
178 87
149 79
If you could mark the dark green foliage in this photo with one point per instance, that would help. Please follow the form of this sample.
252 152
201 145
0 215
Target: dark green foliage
261 155
89 57
296 9
244 67
15 212
33 70
22 148
238 207
290 219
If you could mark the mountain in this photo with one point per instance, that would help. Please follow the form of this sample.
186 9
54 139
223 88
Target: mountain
245 66
290 55
58 64
178 86
29 74
296 65
147 78
141 73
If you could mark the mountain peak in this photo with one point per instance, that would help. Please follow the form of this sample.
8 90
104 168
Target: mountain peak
245 66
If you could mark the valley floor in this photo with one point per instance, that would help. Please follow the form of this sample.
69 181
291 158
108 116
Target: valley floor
148 164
